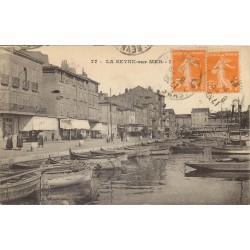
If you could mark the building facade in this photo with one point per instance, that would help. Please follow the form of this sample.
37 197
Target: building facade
199 117
21 102
183 122
73 99
147 105
170 122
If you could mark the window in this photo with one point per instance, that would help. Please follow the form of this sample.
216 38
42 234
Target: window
25 74
26 100
62 77
67 112
13 98
75 110
61 109
61 91
8 126
33 76
74 94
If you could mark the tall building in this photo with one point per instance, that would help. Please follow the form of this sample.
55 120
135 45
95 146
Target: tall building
147 105
22 107
199 117
73 99
170 122
184 122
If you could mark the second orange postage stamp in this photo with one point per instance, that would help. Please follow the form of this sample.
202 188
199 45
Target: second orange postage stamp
188 70
223 72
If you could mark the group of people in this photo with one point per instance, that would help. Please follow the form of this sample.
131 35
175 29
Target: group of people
19 140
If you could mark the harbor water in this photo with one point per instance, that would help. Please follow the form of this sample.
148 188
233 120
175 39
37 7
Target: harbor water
152 180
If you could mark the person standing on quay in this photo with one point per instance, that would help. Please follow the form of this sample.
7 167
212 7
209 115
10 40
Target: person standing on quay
19 142
9 144
40 138
112 137
53 136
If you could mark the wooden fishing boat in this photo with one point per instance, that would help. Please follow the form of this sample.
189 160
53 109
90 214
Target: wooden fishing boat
26 165
202 143
218 174
130 153
19 185
99 162
107 152
89 156
228 150
56 177
187 150
160 151
219 165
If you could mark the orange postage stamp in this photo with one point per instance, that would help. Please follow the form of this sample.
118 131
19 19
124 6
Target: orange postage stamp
188 70
223 72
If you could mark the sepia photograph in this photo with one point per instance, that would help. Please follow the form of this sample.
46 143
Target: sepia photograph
124 125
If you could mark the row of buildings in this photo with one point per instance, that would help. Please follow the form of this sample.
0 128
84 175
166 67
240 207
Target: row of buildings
37 96
201 119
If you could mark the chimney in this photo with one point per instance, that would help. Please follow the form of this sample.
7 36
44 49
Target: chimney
126 90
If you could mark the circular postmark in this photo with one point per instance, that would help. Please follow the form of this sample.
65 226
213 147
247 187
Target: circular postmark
168 87
133 50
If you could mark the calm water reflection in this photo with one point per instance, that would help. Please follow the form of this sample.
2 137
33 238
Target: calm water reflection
161 181
153 181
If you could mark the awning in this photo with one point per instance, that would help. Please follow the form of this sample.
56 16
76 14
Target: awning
74 124
28 123
97 127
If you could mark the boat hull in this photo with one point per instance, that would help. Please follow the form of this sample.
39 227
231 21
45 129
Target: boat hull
63 179
187 150
19 189
165 151
230 151
220 166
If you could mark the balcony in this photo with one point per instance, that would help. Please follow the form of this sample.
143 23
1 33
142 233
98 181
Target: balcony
26 85
15 82
5 79
34 87
12 107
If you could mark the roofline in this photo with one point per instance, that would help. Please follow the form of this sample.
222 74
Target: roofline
54 68
19 53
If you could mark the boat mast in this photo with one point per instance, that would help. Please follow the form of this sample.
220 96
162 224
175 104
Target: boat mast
239 113
110 114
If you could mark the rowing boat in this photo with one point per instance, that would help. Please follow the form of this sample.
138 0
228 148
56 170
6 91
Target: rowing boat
219 165
130 153
218 174
231 150
187 150
100 162
19 185
89 156
55 178
160 151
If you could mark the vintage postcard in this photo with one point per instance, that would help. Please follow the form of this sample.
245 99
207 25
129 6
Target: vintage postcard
124 125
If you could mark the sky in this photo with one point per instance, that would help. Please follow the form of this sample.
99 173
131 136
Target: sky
119 76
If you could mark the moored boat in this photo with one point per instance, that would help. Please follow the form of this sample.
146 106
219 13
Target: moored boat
130 153
228 150
55 178
160 151
19 185
218 174
219 165
89 156
187 150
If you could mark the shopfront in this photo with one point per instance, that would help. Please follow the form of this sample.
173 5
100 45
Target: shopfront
30 126
95 130
72 129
